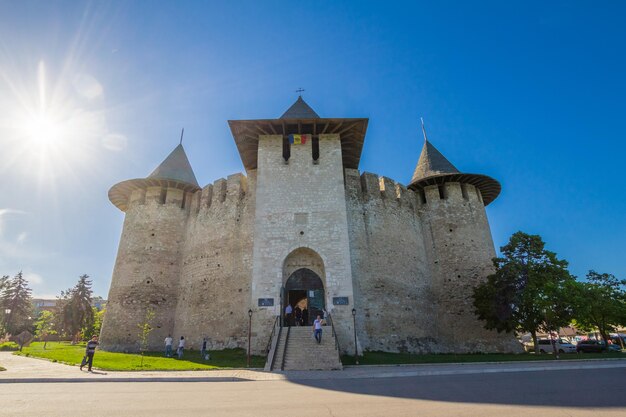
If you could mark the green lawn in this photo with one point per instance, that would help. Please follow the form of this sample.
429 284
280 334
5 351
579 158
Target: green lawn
385 358
64 352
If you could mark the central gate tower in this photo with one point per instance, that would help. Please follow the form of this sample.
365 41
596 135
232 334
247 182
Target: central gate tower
301 206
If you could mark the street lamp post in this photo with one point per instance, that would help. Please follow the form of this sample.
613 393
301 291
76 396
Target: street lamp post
249 333
356 352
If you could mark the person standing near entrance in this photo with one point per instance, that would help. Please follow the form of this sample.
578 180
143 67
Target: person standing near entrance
298 314
317 329
288 311
89 352
305 317
168 346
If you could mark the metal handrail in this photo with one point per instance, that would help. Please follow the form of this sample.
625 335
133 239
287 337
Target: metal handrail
280 329
269 342
282 365
332 326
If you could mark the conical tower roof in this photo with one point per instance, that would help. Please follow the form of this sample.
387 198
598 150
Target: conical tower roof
434 169
432 162
176 167
174 172
300 110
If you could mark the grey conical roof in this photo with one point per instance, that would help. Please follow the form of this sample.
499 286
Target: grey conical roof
434 169
175 167
300 110
432 162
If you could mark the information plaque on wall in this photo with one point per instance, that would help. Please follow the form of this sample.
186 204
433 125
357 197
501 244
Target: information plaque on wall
266 302
341 301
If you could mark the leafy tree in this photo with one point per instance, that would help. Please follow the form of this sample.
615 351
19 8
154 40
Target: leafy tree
16 303
527 293
599 303
145 328
75 306
98 315
45 326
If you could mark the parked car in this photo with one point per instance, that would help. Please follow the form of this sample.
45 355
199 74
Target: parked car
586 346
562 346
614 348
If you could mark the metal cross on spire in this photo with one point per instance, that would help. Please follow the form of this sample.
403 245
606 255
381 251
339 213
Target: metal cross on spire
424 130
181 136
300 91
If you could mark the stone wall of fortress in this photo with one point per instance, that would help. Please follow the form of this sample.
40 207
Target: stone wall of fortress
146 269
414 258
216 263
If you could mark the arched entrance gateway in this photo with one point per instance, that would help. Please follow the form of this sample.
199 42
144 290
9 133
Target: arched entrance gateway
304 291
303 288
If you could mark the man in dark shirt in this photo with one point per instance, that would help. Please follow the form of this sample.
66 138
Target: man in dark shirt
89 352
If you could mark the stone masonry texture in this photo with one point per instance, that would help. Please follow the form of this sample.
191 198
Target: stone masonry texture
406 262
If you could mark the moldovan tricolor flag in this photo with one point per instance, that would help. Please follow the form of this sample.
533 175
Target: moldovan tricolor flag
298 139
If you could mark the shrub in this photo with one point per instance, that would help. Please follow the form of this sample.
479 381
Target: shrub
7 346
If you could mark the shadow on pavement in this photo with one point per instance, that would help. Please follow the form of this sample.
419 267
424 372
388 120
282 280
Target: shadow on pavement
567 388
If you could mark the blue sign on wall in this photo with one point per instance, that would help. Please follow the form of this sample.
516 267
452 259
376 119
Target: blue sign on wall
266 302
341 301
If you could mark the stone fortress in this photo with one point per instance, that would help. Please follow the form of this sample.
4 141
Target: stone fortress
305 227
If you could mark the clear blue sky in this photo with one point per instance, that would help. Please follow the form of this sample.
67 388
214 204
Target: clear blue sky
531 93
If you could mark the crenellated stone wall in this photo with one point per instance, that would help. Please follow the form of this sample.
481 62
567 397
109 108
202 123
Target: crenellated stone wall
216 267
391 277
406 261
416 258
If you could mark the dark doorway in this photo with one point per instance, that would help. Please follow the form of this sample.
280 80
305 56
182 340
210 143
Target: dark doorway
305 293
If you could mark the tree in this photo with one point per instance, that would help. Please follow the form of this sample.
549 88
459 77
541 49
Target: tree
599 303
145 329
75 306
16 303
4 281
45 326
527 293
98 315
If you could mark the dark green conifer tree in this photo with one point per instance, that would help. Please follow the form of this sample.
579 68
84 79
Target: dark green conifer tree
16 304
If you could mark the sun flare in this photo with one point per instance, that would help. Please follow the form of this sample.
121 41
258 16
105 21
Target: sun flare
42 130
53 130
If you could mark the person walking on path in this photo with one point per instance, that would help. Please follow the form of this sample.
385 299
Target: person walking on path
317 329
203 350
181 347
89 352
168 346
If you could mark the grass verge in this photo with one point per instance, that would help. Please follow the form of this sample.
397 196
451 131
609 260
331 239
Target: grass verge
386 358
64 352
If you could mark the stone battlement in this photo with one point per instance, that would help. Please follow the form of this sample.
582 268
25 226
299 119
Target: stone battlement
371 187
221 196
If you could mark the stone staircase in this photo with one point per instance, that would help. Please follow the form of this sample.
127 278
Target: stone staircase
304 353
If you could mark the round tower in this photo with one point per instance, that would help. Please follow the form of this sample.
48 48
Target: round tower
147 268
459 249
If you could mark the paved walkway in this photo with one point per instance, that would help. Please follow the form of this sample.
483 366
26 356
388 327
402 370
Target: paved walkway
22 369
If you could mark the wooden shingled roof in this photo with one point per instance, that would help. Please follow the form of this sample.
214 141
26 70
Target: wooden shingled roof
300 118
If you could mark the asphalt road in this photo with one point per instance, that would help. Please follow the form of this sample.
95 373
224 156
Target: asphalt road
548 393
